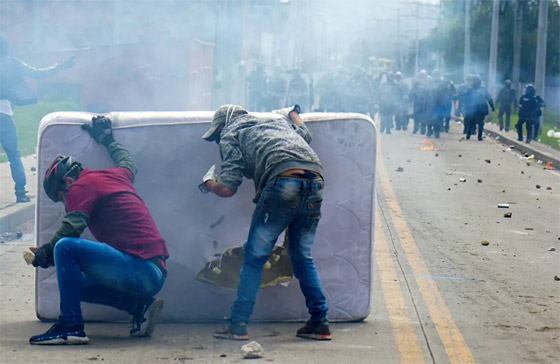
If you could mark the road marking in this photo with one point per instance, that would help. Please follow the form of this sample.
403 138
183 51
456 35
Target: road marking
407 342
453 342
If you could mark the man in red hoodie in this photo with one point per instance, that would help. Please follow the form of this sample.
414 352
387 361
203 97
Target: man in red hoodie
125 268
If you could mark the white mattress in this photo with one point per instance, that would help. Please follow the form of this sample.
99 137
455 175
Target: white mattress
172 158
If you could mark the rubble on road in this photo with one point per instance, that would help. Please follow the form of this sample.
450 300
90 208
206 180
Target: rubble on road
399 169
253 350
485 242
479 180
488 161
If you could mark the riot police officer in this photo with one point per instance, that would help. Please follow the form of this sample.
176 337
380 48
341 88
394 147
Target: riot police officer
529 113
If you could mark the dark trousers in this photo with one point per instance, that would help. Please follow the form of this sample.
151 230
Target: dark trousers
386 121
419 123
401 121
434 125
472 122
507 111
531 126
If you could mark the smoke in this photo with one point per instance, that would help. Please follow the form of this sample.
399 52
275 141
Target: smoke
195 55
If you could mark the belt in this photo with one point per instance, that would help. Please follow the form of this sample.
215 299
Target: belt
301 173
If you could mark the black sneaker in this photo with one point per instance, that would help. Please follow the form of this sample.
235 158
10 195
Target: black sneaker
60 334
232 331
317 331
144 324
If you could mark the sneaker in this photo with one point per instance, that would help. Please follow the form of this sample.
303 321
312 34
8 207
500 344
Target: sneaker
232 331
317 331
145 324
22 198
60 334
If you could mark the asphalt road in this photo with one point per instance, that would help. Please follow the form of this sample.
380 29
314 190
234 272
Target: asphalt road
440 296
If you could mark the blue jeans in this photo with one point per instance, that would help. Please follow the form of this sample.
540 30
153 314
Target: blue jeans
98 273
8 139
285 202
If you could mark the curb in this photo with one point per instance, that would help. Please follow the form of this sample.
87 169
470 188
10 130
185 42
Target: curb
523 148
15 215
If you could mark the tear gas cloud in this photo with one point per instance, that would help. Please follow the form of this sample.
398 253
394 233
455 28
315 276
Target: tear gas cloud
195 55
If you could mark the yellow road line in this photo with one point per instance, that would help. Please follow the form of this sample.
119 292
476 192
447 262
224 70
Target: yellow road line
454 343
407 342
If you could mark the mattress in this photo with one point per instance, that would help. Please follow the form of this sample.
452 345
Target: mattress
172 158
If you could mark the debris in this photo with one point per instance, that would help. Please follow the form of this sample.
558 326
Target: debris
497 221
437 154
9 236
552 249
556 278
399 169
449 188
497 137
479 180
223 356
488 161
485 242
549 166
539 162
503 205
28 256
408 160
460 155
33 169
529 228
549 188
462 180
522 172
529 164
253 350
508 214
538 186
511 146
503 191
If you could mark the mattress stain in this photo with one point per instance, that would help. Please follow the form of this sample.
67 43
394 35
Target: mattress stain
218 222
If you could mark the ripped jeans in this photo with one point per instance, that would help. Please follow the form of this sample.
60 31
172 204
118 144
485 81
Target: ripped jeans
95 272
285 202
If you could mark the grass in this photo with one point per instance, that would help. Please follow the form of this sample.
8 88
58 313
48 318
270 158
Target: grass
27 119
551 120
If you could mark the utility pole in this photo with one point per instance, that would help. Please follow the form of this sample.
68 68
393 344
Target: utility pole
517 36
467 65
540 68
440 32
494 47
416 46
399 38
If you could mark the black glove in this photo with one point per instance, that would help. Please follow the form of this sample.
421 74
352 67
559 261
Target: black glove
43 257
100 129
